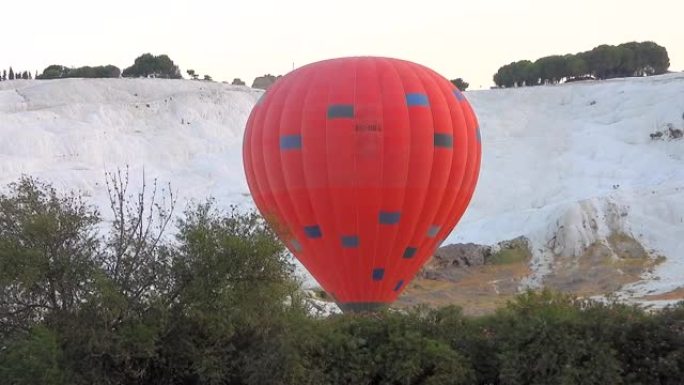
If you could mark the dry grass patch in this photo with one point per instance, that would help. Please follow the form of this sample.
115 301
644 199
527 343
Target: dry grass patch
674 295
603 268
479 290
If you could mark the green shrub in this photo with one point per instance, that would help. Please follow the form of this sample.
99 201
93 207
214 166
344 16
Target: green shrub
602 62
148 65
218 304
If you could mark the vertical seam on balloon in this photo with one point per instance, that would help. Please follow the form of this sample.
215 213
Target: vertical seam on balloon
299 222
258 126
403 263
388 257
339 275
376 238
247 156
358 260
390 64
346 263
429 76
349 264
332 279
398 259
447 226
341 254
428 241
381 159
473 177
265 185
417 71
279 207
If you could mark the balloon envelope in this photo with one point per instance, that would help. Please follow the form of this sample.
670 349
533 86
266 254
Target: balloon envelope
363 166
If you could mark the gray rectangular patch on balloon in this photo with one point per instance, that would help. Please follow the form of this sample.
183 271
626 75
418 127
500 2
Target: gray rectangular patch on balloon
340 111
350 241
444 140
389 218
433 231
417 99
410 252
290 142
313 231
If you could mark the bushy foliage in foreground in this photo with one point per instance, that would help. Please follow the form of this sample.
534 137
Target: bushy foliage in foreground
217 304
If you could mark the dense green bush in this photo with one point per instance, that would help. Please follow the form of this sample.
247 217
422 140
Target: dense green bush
148 65
57 71
460 84
602 62
389 348
108 71
216 303
54 71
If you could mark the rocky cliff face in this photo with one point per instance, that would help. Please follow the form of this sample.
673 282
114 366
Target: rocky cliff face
479 278
450 261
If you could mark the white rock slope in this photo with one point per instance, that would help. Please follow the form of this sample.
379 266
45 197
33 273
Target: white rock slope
563 165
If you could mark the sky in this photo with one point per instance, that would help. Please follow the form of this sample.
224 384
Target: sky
249 38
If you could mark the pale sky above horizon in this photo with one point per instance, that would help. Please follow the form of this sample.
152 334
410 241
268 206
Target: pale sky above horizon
245 39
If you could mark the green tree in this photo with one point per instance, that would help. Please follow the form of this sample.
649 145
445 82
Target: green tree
238 82
543 339
11 74
54 71
386 349
192 74
654 58
649 347
33 358
553 69
460 84
46 247
148 65
207 78
504 77
604 61
108 71
576 66
216 303
528 73
232 288
132 307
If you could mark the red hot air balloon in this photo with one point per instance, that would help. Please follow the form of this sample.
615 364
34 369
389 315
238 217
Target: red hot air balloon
363 166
